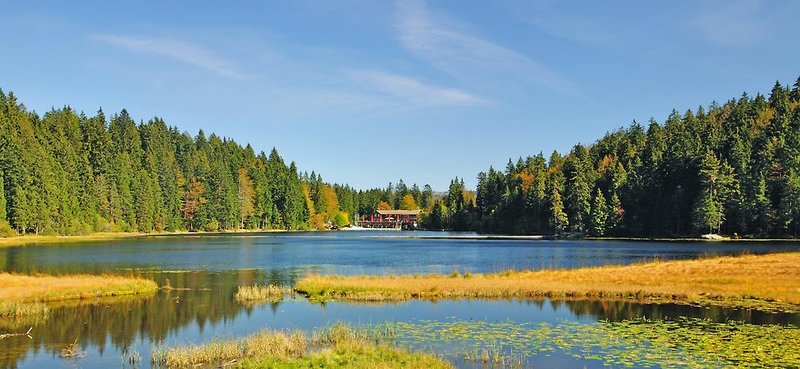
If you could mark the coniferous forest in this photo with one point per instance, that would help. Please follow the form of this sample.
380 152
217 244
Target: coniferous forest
731 169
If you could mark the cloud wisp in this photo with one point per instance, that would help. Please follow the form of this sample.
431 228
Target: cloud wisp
465 56
175 49
408 90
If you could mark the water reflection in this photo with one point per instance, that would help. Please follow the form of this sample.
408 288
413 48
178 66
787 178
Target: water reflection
201 306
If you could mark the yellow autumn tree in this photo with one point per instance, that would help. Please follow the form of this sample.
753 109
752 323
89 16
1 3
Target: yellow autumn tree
383 205
330 200
408 203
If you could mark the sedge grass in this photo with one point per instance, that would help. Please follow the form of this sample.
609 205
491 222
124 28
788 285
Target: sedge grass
766 282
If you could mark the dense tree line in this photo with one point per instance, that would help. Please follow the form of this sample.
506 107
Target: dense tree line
731 169
67 173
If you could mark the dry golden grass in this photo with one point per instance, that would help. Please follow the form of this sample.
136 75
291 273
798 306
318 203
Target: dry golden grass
271 344
23 294
770 282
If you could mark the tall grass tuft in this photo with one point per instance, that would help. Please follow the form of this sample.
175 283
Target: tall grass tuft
27 309
261 293
273 344
341 333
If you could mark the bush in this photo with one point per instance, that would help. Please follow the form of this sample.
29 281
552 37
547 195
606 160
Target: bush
340 220
212 225
6 230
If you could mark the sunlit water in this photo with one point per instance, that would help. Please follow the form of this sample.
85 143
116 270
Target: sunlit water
211 268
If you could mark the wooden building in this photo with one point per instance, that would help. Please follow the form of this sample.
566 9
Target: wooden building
398 219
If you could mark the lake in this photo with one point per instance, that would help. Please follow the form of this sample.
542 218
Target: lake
206 271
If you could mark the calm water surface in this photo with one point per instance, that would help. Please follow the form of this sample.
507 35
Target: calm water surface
211 268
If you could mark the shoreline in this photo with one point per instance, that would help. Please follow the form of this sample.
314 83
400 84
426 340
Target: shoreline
41 240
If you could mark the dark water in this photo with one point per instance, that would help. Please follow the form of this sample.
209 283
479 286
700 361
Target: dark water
212 267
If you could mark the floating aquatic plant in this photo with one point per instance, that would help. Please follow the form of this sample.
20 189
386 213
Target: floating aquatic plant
673 343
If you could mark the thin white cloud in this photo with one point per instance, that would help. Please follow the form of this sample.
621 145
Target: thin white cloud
466 56
733 23
410 90
175 49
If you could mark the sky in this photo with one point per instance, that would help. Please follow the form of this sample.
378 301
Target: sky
369 92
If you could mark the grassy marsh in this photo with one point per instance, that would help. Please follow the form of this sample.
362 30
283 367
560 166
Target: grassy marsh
25 295
767 282
338 346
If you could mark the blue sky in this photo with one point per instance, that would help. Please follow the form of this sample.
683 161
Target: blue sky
366 92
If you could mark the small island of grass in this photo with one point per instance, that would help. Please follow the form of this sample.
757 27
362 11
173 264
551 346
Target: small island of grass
766 282
24 295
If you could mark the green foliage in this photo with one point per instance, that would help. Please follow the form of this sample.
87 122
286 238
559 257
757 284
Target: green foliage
212 225
6 230
340 220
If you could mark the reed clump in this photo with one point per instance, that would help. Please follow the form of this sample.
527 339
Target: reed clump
338 346
261 293
766 282
71 351
280 345
16 310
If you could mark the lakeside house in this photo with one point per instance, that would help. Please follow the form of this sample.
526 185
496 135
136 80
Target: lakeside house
399 219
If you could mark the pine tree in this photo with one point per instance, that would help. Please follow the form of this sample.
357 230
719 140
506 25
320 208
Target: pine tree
708 210
616 215
559 220
599 215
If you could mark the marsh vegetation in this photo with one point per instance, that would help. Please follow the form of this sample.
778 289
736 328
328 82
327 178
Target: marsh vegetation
336 346
665 343
753 281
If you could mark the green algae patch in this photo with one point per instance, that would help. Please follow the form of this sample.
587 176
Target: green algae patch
675 343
